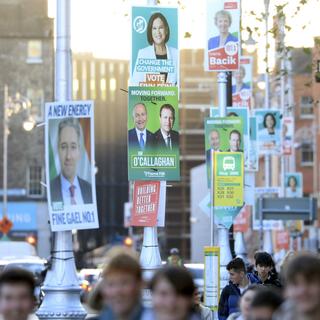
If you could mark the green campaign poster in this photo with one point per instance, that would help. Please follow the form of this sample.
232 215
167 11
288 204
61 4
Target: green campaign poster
223 134
228 179
153 134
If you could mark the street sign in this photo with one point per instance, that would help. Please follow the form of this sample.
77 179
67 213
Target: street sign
228 179
287 208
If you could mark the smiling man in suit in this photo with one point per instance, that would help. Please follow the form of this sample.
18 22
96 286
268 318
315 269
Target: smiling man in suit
165 137
139 137
67 187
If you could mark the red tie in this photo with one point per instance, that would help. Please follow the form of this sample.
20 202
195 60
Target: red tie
73 200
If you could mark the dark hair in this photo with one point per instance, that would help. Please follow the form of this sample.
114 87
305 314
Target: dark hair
306 265
125 263
265 119
252 287
179 277
267 297
236 132
14 276
170 107
150 23
263 259
69 122
232 114
237 265
295 180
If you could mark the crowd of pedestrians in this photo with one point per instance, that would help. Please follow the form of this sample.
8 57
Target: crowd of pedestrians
253 293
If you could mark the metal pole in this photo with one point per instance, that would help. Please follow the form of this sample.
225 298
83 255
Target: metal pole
5 152
150 258
223 232
61 285
267 240
212 222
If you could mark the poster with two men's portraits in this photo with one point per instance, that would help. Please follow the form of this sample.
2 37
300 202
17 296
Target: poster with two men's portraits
70 171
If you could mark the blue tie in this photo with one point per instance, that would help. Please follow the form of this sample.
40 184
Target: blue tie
141 141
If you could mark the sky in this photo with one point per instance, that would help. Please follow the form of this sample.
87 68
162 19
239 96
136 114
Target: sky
102 27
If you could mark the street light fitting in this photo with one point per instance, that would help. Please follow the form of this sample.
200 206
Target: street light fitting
250 44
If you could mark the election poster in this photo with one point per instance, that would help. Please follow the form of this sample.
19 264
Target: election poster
127 213
253 164
228 179
146 195
294 184
287 135
211 277
154 43
269 131
223 35
69 136
243 114
282 238
222 134
242 221
153 134
242 84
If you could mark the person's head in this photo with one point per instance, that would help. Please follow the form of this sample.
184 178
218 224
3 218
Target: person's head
223 20
264 303
174 257
196 296
69 147
17 299
302 277
232 114
172 293
292 182
269 121
122 283
140 116
214 139
264 264
246 299
234 140
167 117
158 31
237 270
239 74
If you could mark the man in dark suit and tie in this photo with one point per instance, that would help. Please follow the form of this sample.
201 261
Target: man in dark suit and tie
166 138
234 141
139 137
67 187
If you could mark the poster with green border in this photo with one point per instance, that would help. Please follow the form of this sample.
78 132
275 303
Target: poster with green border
154 46
228 188
222 134
153 134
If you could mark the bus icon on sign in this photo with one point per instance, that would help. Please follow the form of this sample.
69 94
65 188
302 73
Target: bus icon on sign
229 163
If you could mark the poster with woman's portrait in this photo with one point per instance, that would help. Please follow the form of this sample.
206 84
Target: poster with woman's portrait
294 184
154 47
242 84
223 35
269 131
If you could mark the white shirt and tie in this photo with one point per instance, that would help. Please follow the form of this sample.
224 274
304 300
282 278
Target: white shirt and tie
167 139
142 137
71 193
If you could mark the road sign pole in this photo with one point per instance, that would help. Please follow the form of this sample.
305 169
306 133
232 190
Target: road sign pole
61 285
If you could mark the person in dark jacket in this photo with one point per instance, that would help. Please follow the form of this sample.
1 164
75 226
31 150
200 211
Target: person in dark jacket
266 270
239 282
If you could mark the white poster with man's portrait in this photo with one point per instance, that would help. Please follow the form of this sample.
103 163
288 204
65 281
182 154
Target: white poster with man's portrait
70 171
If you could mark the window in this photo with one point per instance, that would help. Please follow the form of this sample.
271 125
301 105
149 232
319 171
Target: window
306 107
306 154
36 97
34 178
34 54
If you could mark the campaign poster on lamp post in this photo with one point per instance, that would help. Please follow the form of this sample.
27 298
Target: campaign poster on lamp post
253 164
287 135
228 179
212 277
269 131
242 84
222 134
70 172
155 51
223 35
153 134
294 184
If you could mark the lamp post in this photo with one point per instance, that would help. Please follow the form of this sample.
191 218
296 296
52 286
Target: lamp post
11 106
